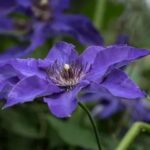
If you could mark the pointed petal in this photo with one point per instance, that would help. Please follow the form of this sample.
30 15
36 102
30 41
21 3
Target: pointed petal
90 53
7 7
6 25
6 86
60 5
114 57
63 104
27 67
63 52
119 84
28 89
25 3
7 71
79 27
13 52
37 38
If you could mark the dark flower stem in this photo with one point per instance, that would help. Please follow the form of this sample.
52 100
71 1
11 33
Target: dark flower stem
137 128
93 124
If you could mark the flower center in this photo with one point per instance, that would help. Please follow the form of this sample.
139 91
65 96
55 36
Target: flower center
41 10
66 75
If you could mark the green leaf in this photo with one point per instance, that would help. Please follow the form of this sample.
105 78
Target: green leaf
112 12
73 134
21 123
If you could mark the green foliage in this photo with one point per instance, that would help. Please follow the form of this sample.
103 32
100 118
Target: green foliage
31 126
73 134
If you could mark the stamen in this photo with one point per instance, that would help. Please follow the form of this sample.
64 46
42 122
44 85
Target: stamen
67 75
66 67
42 10
44 2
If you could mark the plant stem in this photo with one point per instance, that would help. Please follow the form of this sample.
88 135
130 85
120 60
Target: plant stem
92 122
99 13
132 134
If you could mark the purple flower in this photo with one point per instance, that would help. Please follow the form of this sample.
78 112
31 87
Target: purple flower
63 74
45 19
108 105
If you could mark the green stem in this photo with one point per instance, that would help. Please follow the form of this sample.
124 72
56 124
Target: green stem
132 134
99 13
92 122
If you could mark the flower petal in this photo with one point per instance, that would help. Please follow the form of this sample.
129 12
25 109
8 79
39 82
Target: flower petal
28 89
79 27
7 6
25 3
62 52
6 86
37 38
24 67
107 107
90 53
94 92
60 5
6 25
118 83
114 57
63 104
13 52
7 71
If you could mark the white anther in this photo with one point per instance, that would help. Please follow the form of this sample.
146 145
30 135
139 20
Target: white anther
66 66
44 2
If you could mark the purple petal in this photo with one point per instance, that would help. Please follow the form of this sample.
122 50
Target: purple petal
107 103
6 25
95 92
60 5
7 71
28 89
7 6
62 52
106 107
25 3
37 38
21 68
118 83
13 52
27 67
114 57
63 104
89 54
6 86
79 27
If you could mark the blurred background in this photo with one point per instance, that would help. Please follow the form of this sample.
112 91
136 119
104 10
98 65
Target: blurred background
30 126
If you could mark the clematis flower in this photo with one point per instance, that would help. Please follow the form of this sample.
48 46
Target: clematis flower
63 74
44 19
137 110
